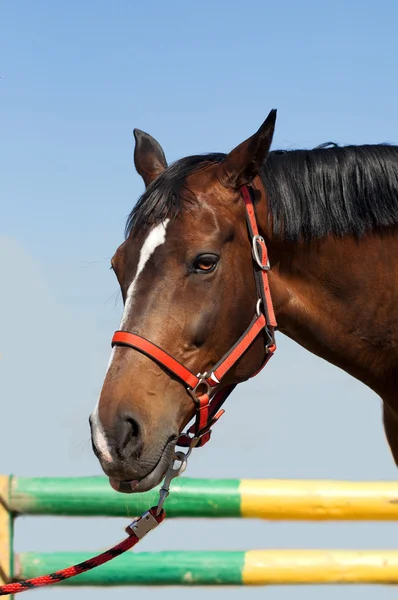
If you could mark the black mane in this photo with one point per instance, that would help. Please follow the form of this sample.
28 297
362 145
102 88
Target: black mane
168 195
332 190
311 193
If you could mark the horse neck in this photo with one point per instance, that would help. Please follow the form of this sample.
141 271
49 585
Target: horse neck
326 300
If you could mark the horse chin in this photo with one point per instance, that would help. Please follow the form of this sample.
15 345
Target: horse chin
151 480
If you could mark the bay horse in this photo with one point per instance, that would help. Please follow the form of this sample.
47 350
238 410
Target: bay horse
328 220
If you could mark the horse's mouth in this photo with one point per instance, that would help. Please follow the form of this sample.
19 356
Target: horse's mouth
152 479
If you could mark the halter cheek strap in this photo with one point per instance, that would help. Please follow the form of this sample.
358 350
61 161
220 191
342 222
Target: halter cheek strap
209 402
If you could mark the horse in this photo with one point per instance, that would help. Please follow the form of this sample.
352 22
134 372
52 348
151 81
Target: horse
320 266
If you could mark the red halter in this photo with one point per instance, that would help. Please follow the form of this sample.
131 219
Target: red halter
208 403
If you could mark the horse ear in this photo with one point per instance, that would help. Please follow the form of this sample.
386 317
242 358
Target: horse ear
149 158
243 163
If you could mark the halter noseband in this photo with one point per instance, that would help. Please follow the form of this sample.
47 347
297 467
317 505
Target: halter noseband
209 401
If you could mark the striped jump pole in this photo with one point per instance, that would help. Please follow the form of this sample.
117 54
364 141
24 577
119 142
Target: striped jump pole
316 500
254 567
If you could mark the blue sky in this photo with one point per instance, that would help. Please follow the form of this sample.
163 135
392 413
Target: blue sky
76 78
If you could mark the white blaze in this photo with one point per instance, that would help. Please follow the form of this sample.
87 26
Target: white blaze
155 238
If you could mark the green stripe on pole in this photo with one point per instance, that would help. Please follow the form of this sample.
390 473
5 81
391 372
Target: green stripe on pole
93 496
142 568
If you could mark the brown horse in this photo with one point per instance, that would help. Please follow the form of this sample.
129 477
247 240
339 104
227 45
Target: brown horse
329 218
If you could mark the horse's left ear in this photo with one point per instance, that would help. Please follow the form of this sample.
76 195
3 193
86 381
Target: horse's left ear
149 158
243 163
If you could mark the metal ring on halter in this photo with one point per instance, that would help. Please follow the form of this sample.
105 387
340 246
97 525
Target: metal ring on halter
258 307
202 381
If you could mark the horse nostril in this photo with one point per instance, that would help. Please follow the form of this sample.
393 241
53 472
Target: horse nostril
130 433
134 427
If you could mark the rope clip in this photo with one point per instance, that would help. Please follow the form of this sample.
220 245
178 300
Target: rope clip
142 525
181 458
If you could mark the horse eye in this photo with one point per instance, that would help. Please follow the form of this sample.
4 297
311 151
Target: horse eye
205 263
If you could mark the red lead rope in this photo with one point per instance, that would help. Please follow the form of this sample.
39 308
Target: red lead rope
136 531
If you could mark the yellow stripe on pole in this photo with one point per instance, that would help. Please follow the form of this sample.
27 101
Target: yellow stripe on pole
284 567
319 500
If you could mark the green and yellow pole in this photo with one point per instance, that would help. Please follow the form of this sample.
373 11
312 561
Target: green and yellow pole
316 500
254 567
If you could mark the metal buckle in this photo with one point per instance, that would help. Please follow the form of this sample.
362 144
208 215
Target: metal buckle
258 239
141 526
